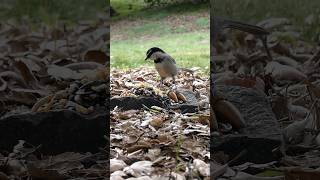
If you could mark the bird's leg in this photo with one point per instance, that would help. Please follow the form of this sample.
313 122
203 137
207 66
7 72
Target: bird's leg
174 87
161 82
174 80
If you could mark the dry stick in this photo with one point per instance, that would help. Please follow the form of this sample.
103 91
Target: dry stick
283 119
315 56
310 93
223 168
298 82
312 99
287 108
32 151
312 106
282 146
315 123
299 98
139 137
41 102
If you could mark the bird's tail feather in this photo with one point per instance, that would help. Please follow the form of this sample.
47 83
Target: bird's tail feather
187 70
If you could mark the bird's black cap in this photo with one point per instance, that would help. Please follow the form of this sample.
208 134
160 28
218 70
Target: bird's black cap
153 50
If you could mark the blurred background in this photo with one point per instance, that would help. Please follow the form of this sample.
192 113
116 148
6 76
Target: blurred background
180 28
51 11
304 14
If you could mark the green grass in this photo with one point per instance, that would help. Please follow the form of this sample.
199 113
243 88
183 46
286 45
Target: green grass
253 11
51 11
188 49
133 9
149 28
204 22
124 8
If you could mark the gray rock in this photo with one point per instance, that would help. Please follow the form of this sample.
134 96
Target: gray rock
262 133
256 110
128 103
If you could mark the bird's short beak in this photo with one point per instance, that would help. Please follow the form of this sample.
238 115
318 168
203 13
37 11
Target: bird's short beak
146 58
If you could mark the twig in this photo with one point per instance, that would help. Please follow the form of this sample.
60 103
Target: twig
312 106
223 168
139 137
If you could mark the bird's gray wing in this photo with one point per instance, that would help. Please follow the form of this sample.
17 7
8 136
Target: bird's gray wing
168 57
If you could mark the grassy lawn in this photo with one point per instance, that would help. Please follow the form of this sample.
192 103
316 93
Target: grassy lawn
134 9
180 30
124 8
188 49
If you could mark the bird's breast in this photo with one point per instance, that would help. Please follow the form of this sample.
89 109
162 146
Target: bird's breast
166 69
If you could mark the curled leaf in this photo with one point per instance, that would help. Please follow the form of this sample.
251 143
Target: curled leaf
181 97
96 56
284 72
227 112
26 73
4 84
172 95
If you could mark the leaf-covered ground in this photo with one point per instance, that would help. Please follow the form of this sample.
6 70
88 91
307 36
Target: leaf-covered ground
47 69
289 81
159 143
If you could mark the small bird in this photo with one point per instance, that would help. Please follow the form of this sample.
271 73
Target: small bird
163 62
